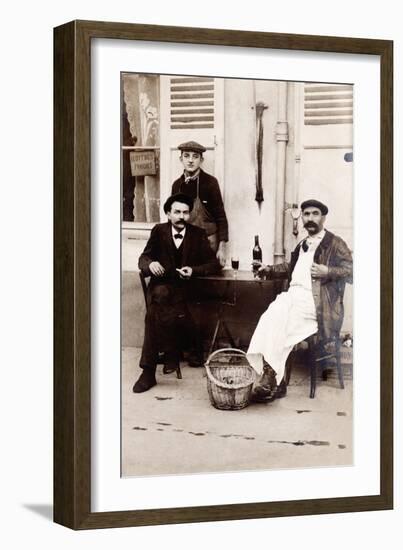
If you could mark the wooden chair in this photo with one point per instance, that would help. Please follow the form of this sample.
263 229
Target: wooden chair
144 285
319 354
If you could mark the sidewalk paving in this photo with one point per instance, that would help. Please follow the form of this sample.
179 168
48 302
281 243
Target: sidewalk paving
173 428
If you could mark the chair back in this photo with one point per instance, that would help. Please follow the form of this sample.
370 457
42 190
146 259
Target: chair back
144 284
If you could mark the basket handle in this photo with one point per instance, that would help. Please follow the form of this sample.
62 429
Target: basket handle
221 350
212 377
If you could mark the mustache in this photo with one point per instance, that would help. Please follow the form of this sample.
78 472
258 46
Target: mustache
311 224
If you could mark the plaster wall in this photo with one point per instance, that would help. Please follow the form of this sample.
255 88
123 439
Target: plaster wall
245 217
314 167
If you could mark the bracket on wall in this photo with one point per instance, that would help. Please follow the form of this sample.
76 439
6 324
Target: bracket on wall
295 212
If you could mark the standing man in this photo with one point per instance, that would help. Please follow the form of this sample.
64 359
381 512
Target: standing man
175 252
319 268
208 210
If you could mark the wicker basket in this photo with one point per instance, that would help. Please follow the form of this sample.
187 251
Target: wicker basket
229 379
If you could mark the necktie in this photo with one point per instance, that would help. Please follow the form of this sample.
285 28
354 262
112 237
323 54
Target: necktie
305 245
178 236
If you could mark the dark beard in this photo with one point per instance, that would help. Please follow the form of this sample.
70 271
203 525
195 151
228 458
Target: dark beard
311 225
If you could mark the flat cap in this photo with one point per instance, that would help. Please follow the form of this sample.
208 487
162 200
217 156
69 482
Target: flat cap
192 146
315 204
178 197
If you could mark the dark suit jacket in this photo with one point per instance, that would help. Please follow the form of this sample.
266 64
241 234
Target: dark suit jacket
196 253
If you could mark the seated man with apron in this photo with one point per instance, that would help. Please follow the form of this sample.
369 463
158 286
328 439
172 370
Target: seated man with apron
208 209
318 271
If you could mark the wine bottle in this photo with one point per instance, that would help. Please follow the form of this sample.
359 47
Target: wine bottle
256 253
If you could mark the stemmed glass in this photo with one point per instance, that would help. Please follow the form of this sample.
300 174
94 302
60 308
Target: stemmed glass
235 267
235 264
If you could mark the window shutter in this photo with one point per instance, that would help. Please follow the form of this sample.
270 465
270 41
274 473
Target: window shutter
328 104
191 103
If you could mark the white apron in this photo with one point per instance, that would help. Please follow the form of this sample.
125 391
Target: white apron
288 320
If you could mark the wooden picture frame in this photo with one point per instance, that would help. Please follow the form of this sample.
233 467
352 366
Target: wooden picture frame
72 273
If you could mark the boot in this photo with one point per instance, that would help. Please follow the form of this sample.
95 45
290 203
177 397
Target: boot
281 390
195 358
145 381
268 377
264 390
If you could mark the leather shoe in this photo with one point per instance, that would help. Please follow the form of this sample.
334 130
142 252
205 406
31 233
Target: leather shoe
268 393
262 394
281 390
195 360
268 377
146 381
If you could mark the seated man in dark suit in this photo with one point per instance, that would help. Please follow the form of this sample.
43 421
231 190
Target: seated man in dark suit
175 252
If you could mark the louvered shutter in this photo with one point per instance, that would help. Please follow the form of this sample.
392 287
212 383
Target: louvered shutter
328 104
193 109
325 136
191 103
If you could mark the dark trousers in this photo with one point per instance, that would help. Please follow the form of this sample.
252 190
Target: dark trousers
169 325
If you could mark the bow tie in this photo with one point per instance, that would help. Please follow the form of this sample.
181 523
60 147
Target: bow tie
178 236
189 179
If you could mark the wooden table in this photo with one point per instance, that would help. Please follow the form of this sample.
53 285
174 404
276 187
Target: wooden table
241 299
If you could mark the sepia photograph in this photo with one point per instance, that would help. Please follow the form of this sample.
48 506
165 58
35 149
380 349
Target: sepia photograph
237 272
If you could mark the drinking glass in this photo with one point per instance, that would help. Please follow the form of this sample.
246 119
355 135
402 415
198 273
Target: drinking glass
235 267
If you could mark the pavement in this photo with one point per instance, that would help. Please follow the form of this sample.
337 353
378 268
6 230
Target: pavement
174 429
